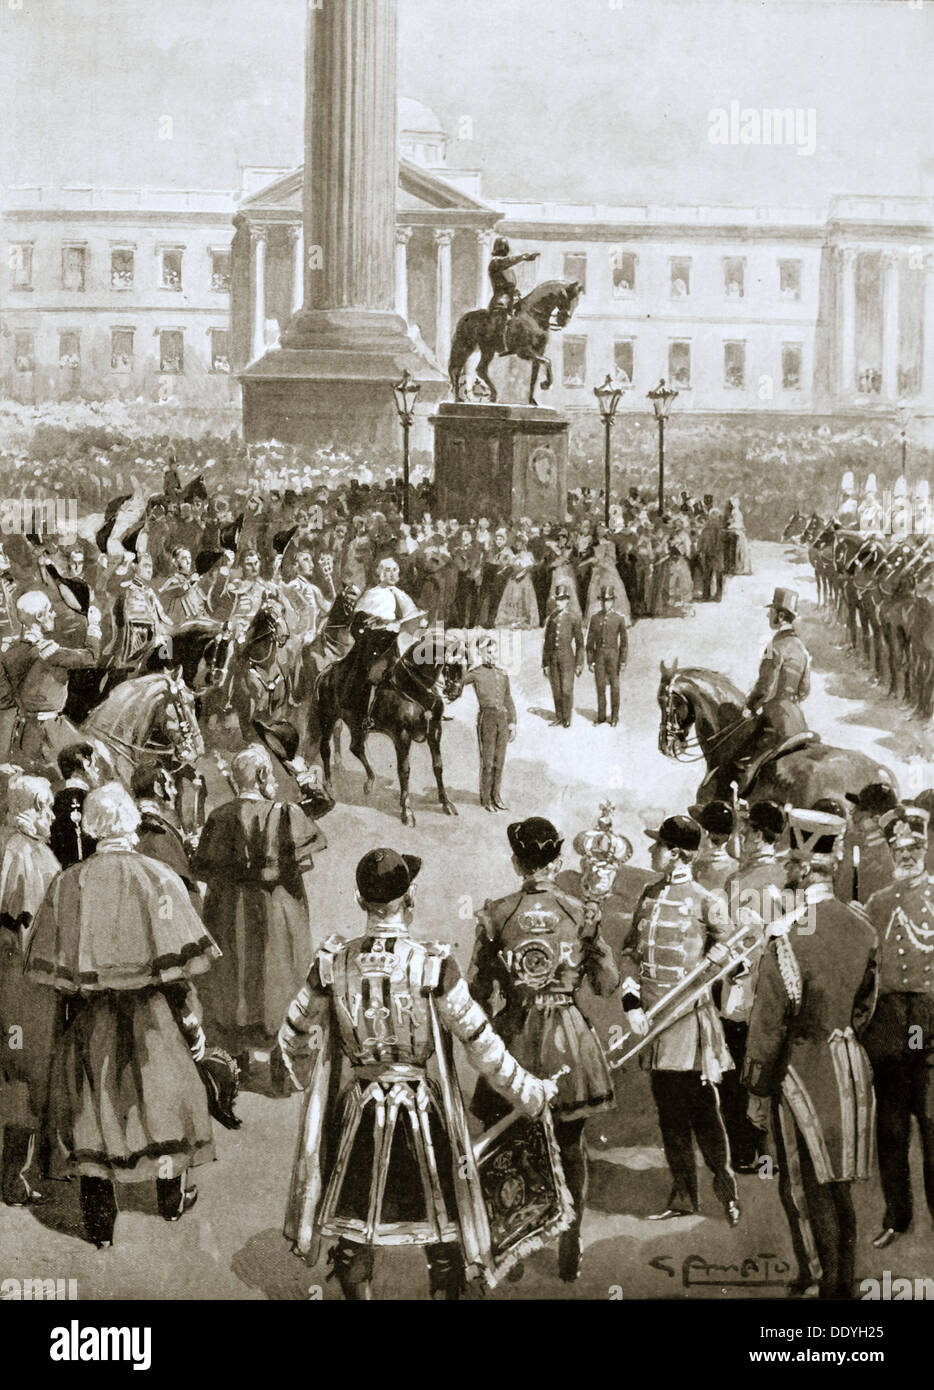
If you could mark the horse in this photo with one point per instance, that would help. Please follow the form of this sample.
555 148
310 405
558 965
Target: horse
549 306
148 717
712 705
260 684
408 707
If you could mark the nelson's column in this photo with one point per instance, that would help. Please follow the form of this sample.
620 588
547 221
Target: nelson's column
331 377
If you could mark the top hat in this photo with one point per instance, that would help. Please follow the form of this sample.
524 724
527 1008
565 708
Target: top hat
383 875
563 591
677 832
785 600
230 534
535 841
716 817
607 592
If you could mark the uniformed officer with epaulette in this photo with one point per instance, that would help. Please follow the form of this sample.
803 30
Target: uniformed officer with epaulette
675 925
814 997
900 1038
385 1159
538 945
784 676
496 722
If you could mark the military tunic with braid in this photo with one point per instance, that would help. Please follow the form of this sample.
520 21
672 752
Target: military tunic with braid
539 945
389 1177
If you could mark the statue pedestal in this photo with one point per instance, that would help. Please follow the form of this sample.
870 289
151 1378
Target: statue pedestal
501 461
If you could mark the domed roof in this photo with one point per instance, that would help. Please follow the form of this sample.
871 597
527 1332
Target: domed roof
417 118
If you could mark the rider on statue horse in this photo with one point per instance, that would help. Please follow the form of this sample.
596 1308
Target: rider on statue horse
506 293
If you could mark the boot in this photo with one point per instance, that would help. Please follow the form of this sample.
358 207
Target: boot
16 1189
173 1198
445 1273
352 1266
570 1253
98 1210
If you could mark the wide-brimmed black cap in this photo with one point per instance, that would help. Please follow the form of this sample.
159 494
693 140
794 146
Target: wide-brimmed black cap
716 817
279 736
677 832
767 816
383 875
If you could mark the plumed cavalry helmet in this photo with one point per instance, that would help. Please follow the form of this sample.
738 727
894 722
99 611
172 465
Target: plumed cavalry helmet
500 246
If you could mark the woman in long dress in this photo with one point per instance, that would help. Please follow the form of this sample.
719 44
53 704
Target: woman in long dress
604 574
563 571
674 584
518 607
737 546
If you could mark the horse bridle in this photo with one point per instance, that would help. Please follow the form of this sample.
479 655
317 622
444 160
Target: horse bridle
681 744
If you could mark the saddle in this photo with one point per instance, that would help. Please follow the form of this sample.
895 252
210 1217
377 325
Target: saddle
745 770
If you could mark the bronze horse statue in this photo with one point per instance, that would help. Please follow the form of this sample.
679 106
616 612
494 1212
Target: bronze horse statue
710 704
548 307
408 707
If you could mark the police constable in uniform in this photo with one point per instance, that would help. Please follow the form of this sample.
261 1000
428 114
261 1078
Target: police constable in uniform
496 722
815 993
607 653
900 1038
538 945
562 654
676 924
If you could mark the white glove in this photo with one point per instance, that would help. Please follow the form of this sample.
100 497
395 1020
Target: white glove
638 1022
94 616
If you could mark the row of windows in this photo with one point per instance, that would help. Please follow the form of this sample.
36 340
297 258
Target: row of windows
75 264
623 265
679 363
122 350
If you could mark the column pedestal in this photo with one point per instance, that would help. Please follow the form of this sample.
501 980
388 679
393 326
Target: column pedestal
501 461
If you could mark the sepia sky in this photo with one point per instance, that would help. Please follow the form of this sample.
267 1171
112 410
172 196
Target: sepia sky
569 100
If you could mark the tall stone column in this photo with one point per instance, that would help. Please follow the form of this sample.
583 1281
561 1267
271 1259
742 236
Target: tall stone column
296 243
403 237
331 378
890 323
848 319
927 366
443 240
258 260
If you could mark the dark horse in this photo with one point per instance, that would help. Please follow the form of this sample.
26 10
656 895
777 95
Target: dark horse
712 706
408 707
260 679
549 306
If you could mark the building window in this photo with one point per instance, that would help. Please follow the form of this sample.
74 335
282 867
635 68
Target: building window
121 349
74 267
171 268
171 351
679 365
734 277
69 350
24 351
623 355
121 268
575 268
869 380
575 361
220 357
680 277
791 366
21 265
789 279
220 271
734 366
623 267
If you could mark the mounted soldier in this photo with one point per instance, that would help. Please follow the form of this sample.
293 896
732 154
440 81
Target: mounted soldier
140 622
506 292
382 614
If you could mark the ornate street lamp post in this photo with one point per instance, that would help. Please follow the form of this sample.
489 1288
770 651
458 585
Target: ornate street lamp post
405 393
661 399
608 398
903 417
